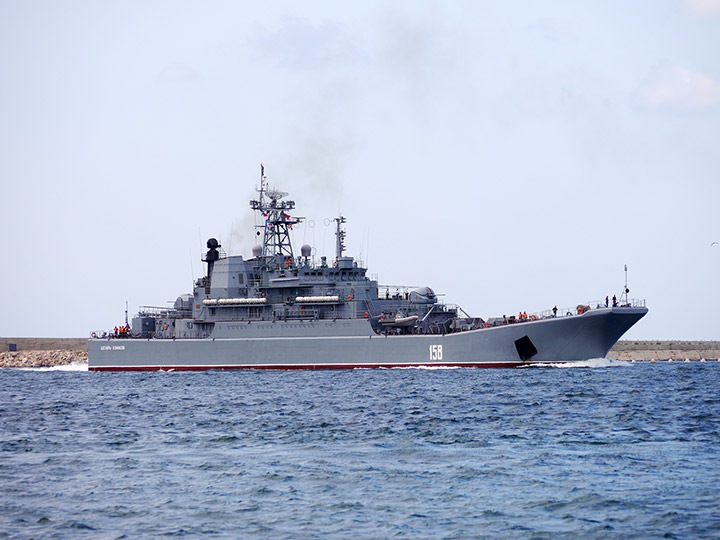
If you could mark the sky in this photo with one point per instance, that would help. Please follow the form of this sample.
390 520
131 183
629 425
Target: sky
511 155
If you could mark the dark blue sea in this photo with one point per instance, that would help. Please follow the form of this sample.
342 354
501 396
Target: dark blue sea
606 450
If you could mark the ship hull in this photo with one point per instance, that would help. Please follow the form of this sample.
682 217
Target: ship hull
346 344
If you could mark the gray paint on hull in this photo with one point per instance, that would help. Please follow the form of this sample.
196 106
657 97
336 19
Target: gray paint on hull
351 343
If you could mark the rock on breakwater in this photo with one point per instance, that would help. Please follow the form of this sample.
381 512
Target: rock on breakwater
37 359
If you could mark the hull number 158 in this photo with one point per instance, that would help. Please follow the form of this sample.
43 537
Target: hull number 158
435 352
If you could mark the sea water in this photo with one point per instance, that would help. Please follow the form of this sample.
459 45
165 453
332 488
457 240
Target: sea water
604 450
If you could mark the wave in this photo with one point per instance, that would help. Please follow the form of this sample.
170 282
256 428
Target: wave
74 366
590 363
431 368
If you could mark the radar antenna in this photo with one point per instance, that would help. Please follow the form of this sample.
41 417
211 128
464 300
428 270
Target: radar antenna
276 223
339 237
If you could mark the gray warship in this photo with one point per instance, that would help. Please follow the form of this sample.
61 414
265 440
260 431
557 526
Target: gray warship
281 310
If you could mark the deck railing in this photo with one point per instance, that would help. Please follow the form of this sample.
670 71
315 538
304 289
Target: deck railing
599 304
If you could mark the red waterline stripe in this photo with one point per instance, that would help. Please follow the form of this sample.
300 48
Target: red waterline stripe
306 366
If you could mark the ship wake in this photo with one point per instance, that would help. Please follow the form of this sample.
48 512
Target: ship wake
74 366
590 363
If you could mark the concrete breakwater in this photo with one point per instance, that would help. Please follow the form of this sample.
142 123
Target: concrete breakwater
664 351
43 344
49 352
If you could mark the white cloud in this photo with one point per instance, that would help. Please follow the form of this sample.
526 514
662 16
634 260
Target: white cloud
705 7
179 74
553 29
299 43
677 87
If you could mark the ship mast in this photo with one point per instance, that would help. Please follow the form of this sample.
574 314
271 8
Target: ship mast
276 223
339 237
